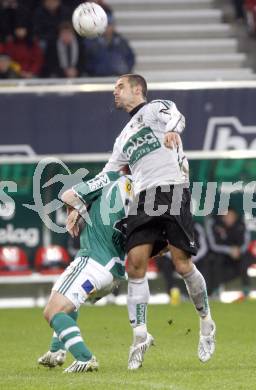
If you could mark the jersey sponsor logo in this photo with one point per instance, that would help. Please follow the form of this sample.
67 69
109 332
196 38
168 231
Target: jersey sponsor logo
224 133
98 182
140 144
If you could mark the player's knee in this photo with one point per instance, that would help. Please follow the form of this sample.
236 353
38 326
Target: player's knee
137 260
181 261
183 267
136 273
48 313
57 304
50 310
136 268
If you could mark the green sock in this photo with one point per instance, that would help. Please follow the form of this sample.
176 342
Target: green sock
246 290
69 333
74 315
56 344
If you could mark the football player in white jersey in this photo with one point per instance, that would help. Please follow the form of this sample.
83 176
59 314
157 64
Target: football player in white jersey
151 145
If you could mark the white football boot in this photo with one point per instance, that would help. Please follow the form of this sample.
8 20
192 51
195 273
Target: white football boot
137 352
79 366
206 346
53 359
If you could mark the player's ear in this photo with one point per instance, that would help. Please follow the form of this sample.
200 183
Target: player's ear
138 89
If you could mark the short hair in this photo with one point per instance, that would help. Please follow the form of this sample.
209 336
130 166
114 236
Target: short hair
136 79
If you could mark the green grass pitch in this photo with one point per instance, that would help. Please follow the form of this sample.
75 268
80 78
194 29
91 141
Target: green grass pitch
172 364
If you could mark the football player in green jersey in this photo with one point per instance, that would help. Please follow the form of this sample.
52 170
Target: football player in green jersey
100 263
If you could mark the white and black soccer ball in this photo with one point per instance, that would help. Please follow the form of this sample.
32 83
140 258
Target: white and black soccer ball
89 20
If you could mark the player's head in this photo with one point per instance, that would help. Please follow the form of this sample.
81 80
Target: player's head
130 90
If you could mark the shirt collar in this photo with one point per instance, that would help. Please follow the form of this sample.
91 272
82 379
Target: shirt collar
136 109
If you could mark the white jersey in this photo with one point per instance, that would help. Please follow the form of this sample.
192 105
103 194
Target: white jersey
141 145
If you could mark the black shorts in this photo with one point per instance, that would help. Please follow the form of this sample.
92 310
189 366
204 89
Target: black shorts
174 225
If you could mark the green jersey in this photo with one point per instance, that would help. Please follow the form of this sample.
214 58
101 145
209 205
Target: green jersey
102 239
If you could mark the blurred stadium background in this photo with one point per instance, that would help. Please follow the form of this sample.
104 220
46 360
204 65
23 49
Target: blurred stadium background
198 53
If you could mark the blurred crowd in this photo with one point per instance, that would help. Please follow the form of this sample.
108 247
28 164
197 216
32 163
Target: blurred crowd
37 40
226 251
245 11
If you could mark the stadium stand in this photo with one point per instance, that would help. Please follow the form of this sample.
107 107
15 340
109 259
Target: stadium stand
181 40
174 40
250 12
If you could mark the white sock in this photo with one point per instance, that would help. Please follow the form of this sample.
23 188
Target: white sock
206 325
196 287
137 300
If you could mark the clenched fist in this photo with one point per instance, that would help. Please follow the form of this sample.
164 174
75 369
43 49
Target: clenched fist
172 140
72 222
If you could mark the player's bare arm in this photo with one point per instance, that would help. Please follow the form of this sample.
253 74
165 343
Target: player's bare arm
76 208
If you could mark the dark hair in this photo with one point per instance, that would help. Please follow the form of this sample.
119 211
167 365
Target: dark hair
136 79
22 21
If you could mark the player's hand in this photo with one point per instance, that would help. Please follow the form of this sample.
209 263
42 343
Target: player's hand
72 223
172 140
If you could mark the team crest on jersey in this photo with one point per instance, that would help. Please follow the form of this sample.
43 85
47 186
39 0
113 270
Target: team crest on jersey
138 122
140 144
98 182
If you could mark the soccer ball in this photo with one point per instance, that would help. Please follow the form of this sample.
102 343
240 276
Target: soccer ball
89 20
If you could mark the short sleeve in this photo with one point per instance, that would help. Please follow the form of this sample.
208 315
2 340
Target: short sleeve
90 190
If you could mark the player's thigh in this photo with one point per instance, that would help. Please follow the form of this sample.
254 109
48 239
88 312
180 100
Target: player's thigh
181 260
82 280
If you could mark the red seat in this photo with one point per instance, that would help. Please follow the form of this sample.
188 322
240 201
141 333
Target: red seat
13 261
152 267
252 248
251 271
52 259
